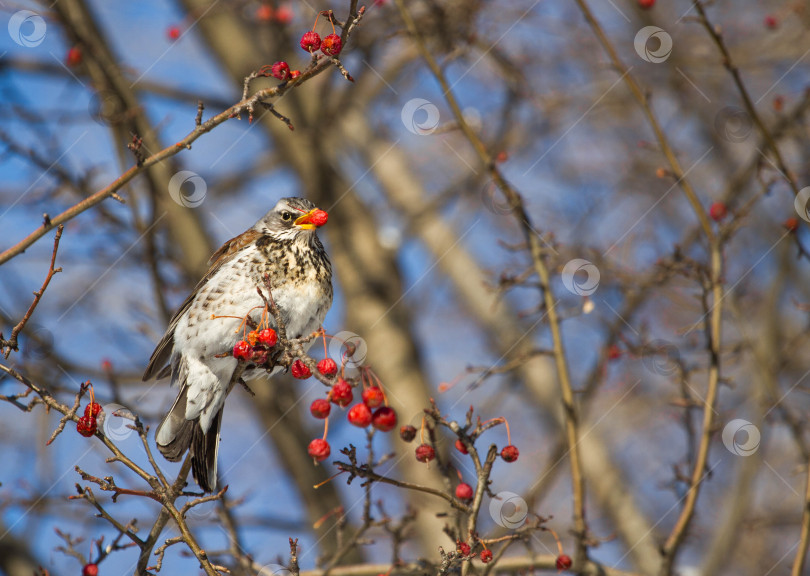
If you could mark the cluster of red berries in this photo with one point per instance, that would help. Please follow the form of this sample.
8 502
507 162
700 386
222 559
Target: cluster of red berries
282 14
256 348
88 424
331 45
426 453
90 569
311 41
371 411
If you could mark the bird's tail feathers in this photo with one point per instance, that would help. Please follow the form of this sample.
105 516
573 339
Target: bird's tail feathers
204 450
174 435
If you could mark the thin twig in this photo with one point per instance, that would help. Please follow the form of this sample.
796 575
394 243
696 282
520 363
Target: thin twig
536 250
11 343
168 152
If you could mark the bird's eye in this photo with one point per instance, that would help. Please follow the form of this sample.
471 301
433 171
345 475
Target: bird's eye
286 216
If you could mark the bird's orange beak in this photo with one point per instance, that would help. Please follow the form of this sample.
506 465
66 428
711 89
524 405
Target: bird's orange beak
315 218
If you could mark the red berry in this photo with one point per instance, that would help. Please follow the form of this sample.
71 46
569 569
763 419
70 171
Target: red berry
331 45
320 408
264 13
294 74
771 22
563 562
463 548
173 32
327 367
319 217
407 433
360 415
268 337
280 70
74 56
646 4
614 352
718 211
486 556
319 449
373 396
510 453
106 365
284 14
90 570
461 447
258 355
341 393
92 409
425 453
300 370
241 350
86 426
791 224
464 491
384 419
310 41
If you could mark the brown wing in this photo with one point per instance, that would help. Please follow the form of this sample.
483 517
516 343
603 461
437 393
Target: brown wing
163 352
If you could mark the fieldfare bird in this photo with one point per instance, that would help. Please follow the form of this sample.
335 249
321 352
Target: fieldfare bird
196 349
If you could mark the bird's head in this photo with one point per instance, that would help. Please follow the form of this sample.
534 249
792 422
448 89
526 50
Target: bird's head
291 217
